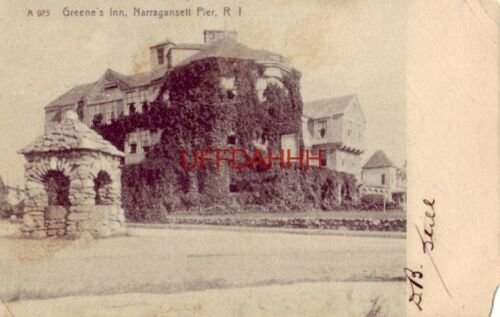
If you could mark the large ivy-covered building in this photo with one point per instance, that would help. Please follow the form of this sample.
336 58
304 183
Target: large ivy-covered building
222 95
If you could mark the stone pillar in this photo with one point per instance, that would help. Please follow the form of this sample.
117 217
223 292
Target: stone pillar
36 200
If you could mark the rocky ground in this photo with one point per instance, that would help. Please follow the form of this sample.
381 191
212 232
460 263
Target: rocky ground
202 273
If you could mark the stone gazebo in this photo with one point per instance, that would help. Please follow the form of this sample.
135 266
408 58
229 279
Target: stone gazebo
72 183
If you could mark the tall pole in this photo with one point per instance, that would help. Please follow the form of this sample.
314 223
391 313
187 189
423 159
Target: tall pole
385 194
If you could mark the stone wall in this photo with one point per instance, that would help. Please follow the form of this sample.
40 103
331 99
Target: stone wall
357 224
81 167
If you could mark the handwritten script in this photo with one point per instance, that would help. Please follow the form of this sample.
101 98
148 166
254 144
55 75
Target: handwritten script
415 277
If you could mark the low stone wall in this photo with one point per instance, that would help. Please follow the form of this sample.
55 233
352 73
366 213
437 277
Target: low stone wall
359 224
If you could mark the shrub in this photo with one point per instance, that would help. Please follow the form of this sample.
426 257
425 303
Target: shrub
373 202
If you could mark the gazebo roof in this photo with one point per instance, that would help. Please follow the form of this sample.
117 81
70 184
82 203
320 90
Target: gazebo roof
71 134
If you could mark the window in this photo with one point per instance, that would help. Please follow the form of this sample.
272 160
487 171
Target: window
143 95
93 111
131 108
109 86
322 132
102 183
57 187
133 148
321 129
382 179
97 120
145 107
132 100
233 186
110 111
80 110
146 148
161 55
231 139
324 159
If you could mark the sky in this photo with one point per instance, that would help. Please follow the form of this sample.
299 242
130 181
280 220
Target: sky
340 47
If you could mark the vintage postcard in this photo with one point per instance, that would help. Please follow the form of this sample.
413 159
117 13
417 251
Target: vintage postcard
249 158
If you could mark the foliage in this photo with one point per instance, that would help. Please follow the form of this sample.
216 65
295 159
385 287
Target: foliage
200 113
375 202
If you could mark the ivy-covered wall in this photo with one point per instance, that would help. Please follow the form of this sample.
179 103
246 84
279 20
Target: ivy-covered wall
201 112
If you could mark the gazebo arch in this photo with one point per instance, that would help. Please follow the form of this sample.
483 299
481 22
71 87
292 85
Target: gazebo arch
73 156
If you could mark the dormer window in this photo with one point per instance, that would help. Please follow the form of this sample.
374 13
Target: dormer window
161 55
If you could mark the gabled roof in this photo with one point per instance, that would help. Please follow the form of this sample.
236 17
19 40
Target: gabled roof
229 48
167 41
74 95
224 48
121 78
142 79
379 159
71 134
327 107
79 92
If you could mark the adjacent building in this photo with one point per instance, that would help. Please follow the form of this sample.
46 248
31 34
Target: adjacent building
336 126
380 176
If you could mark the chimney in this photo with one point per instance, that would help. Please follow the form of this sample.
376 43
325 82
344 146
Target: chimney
210 36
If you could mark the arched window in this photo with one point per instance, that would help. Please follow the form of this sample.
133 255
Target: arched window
57 187
101 187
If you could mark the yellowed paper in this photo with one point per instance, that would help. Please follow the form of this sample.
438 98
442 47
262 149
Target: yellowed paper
393 104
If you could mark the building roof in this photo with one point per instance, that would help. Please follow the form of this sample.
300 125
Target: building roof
74 95
70 134
78 92
224 48
190 46
327 107
165 42
379 159
230 48
142 79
